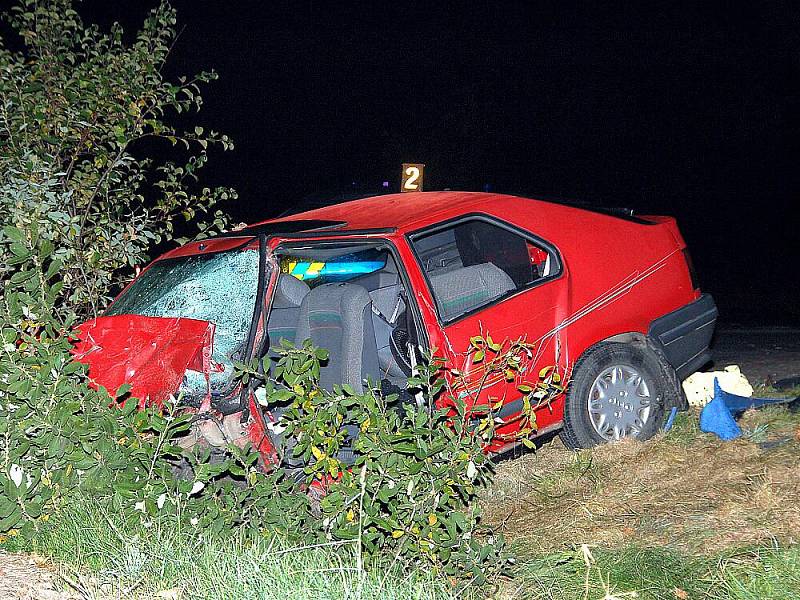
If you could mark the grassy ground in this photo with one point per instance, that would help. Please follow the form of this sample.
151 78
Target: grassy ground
640 572
681 516
103 559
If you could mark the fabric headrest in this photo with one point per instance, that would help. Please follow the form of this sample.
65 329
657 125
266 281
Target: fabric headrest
290 291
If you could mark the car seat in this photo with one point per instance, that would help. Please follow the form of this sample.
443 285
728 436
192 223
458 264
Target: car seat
338 317
285 312
462 290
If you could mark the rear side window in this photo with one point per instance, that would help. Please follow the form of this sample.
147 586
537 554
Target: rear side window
474 262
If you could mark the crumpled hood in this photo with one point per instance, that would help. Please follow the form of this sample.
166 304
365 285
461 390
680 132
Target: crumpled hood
152 354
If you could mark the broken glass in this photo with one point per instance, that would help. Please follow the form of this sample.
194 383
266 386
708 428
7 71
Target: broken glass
219 288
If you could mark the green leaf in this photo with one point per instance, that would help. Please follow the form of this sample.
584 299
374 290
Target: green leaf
495 347
14 233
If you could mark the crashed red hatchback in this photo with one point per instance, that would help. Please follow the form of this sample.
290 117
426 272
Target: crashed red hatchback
608 299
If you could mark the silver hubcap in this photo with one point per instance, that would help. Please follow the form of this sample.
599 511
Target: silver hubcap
619 403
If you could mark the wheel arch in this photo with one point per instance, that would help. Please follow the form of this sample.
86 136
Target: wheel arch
630 337
643 341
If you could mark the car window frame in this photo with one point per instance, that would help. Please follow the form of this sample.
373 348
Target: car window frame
498 222
288 242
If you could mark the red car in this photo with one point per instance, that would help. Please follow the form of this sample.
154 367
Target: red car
609 302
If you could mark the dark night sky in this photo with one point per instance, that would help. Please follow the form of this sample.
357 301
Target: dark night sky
687 109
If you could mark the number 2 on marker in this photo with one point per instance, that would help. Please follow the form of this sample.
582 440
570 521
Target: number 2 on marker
412 174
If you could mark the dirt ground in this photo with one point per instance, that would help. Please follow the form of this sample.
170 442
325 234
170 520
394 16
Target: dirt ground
765 354
30 578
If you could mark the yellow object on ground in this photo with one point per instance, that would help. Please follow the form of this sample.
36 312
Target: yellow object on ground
699 387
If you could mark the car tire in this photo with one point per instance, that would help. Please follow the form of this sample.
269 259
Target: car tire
617 390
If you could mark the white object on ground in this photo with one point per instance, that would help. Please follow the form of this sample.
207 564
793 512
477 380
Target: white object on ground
699 387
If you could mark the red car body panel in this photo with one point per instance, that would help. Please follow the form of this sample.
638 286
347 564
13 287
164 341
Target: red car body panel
617 277
152 354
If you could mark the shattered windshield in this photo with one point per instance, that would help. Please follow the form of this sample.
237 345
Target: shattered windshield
220 288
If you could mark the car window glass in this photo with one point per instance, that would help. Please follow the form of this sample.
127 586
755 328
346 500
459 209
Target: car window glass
220 288
317 269
472 263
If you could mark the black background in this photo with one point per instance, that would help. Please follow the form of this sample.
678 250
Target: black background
691 110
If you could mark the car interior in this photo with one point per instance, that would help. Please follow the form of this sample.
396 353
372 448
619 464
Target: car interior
474 262
349 300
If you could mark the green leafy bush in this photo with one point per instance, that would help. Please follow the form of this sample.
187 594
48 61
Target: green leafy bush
57 435
399 477
406 497
81 206
76 104
60 439
79 209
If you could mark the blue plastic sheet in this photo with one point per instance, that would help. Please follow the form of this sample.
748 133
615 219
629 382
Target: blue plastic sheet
718 416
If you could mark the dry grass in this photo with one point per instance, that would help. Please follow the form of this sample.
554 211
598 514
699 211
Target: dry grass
685 489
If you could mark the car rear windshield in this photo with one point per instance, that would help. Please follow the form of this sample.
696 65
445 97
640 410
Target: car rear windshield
220 288
324 267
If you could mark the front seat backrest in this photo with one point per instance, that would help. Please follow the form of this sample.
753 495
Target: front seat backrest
465 289
285 311
338 317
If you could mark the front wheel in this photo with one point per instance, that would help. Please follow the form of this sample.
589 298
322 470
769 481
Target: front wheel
617 391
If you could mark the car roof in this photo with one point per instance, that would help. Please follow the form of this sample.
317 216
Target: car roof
400 214
410 211
398 211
